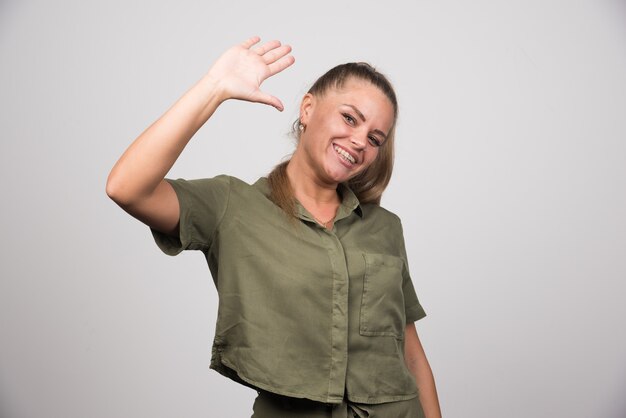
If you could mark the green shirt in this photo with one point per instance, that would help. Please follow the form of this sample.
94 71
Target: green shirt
303 311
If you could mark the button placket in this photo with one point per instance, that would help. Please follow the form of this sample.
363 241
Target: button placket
339 330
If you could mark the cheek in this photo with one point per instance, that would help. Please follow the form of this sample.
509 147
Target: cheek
370 157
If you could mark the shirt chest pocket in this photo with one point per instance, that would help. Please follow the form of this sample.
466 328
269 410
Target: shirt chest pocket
382 304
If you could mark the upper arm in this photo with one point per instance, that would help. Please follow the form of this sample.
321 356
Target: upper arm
417 363
182 214
160 210
413 350
199 208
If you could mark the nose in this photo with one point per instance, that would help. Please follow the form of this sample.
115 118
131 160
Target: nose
359 140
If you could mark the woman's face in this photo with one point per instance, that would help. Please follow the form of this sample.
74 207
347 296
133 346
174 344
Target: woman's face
344 129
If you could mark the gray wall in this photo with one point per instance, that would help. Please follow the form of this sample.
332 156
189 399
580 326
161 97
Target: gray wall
510 180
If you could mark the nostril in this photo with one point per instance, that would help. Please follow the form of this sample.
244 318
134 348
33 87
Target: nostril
357 142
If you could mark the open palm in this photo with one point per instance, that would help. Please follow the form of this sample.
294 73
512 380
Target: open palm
241 70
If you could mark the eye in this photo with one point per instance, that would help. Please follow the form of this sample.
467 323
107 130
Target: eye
374 141
348 118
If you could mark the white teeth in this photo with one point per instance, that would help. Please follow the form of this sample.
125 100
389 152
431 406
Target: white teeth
345 155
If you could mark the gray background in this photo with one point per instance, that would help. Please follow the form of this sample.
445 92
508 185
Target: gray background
510 180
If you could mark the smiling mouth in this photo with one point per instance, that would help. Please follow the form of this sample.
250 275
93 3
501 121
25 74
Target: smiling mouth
344 154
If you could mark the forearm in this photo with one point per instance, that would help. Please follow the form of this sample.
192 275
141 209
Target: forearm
136 182
237 74
426 386
148 159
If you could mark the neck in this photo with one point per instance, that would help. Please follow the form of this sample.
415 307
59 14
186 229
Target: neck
308 188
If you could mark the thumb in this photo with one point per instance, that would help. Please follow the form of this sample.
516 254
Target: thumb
268 99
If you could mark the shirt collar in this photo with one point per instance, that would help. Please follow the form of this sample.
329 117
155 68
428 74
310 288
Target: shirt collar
349 202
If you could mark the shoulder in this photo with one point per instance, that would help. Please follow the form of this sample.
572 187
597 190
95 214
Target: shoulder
230 188
200 183
213 191
379 214
382 223
223 181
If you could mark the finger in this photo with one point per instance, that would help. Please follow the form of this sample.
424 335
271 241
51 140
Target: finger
268 46
268 99
281 64
251 41
276 54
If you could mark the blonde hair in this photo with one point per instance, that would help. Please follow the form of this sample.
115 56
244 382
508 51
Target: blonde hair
369 185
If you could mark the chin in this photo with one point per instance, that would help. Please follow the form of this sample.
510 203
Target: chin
341 175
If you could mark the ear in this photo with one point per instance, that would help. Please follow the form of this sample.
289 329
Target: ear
306 108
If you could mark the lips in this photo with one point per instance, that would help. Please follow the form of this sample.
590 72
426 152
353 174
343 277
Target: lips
345 155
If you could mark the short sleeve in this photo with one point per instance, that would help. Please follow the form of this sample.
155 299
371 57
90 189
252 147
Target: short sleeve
412 308
203 203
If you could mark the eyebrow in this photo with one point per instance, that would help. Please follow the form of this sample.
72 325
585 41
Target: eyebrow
362 117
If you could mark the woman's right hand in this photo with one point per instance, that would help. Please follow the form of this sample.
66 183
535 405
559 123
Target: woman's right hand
239 72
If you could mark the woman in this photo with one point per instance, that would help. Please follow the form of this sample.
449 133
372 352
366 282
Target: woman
316 307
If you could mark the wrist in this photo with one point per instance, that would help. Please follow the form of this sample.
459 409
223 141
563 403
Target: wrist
213 88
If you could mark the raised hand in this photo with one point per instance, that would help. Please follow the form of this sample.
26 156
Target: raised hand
240 70
136 182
